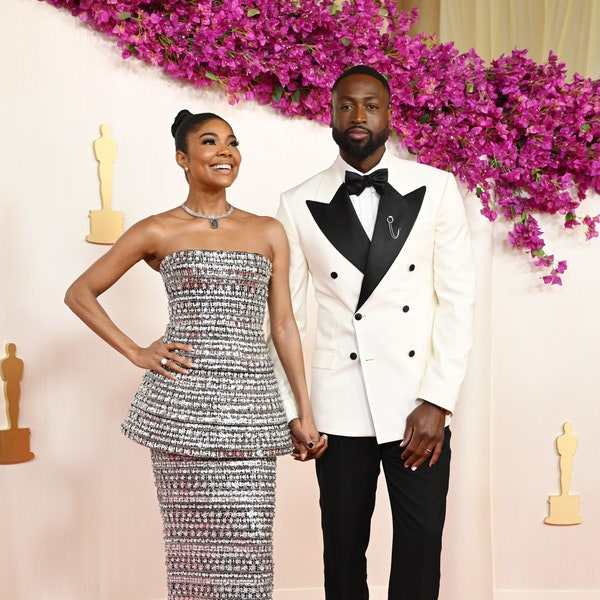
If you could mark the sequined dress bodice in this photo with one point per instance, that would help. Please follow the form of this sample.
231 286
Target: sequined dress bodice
228 404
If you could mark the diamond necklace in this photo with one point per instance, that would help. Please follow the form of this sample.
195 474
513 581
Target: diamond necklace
214 219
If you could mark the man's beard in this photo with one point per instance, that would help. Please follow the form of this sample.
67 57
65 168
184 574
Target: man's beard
359 150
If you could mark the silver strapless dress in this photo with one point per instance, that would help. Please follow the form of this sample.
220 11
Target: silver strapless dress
228 405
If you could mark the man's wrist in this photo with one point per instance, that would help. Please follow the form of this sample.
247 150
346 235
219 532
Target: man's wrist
444 410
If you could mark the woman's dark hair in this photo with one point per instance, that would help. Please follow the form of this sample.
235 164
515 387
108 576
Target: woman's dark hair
185 123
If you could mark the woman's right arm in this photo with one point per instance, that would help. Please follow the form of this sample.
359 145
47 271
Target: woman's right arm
82 298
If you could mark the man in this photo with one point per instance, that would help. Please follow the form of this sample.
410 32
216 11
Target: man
392 270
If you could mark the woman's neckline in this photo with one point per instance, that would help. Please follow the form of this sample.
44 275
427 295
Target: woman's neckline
215 251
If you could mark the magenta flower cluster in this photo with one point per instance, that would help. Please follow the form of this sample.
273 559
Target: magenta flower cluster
517 133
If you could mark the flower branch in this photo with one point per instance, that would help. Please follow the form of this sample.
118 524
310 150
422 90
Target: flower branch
515 132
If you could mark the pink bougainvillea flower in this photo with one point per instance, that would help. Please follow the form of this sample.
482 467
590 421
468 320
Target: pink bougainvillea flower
519 135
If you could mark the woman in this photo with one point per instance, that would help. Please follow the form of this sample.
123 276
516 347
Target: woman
208 406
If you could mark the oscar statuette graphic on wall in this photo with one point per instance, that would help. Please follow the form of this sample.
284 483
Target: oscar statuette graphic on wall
106 225
14 441
564 509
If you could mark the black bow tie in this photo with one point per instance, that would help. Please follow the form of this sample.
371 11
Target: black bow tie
356 183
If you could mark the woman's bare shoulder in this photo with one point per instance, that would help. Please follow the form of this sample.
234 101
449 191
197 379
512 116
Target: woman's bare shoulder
262 221
159 222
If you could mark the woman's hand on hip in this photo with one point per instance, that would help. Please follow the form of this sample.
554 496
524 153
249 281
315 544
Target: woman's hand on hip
163 358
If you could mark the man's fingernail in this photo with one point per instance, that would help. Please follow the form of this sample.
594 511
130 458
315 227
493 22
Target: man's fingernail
413 468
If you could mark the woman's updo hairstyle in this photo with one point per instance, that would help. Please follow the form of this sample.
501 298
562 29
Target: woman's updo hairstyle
185 123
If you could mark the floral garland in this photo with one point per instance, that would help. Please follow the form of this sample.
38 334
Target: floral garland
516 133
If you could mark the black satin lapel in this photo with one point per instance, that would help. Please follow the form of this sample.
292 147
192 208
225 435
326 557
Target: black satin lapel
338 221
384 248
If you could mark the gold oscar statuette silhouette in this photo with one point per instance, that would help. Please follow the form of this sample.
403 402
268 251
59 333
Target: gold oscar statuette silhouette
106 225
14 441
564 509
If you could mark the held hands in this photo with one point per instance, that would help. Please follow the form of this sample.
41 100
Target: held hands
308 444
162 358
423 436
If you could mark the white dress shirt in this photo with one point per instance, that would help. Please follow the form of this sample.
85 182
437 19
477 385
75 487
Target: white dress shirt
367 204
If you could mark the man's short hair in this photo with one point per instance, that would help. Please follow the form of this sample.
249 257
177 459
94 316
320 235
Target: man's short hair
363 70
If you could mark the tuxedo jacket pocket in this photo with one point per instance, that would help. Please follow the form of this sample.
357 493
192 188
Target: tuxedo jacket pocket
323 358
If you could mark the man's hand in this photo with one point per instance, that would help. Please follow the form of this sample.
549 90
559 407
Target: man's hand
423 436
308 443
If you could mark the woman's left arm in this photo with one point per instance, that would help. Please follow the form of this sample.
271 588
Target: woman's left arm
286 339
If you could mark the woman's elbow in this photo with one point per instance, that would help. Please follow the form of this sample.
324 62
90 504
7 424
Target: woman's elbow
71 297
74 296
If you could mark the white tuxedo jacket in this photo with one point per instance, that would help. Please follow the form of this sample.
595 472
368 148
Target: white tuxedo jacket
395 316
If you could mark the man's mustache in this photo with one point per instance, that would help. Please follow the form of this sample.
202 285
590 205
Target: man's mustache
357 128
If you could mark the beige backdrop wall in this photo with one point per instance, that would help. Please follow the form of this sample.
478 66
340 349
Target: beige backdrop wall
568 28
81 521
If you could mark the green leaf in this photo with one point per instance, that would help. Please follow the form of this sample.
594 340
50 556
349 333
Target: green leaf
123 16
277 93
346 41
211 76
296 96
425 118
585 127
470 87
133 50
165 41
539 253
252 12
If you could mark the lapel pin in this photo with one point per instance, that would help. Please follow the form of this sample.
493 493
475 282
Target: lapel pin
390 220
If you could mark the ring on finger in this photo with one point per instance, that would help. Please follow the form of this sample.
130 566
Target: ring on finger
164 361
